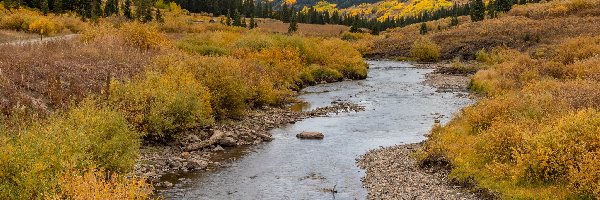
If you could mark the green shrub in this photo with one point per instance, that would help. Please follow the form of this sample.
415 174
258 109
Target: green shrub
205 50
320 74
426 50
163 102
32 162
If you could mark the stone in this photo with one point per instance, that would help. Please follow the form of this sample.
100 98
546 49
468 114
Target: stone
196 164
218 148
185 154
310 135
227 142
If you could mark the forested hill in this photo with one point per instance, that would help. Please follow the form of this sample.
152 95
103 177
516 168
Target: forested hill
340 3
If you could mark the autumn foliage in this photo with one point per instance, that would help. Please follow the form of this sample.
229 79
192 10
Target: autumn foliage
75 112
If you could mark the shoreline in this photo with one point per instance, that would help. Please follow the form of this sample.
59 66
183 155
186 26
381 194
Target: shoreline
197 150
394 173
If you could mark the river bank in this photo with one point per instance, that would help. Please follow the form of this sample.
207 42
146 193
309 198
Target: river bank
196 150
394 172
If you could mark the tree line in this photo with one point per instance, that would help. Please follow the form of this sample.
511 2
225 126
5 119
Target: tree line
236 11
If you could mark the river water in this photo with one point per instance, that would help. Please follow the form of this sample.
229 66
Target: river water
399 110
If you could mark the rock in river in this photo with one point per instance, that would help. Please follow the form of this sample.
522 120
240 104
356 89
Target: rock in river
310 135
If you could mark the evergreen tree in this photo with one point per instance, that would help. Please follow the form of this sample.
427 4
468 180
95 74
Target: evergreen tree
454 21
252 23
44 6
57 6
492 9
159 17
243 24
354 28
477 10
423 30
237 18
228 20
293 24
127 9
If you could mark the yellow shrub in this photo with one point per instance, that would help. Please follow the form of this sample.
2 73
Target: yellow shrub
143 36
43 26
163 102
423 49
95 184
32 162
576 49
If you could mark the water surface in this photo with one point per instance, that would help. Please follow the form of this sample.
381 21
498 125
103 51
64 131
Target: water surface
399 110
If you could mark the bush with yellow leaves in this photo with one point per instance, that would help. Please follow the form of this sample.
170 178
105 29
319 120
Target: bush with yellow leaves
535 134
164 101
423 49
33 159
43 27
95 184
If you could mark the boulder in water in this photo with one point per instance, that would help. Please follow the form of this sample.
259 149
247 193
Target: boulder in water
310 135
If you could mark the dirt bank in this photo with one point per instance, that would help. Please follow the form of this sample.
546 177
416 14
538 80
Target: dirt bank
194 150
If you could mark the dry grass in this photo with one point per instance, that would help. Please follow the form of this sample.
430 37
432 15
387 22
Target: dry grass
522 33
328 30
9 36
45 77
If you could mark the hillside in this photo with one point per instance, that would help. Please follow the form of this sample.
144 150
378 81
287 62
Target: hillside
339 3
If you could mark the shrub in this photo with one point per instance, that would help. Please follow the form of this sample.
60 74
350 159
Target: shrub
43 27
142 36
205 50
321 74
227 80
95 183
424 49
164 102
32 161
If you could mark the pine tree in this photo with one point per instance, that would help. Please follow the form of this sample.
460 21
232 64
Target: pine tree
44 6
159 17
127 9
454 21
492 9
423 30
237 18
252 22
477 10
243 24
228 20
354 28
293 24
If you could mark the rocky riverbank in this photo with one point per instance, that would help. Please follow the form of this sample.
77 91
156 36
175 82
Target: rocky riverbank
393 173
194 150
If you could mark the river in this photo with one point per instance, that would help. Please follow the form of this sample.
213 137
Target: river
399 110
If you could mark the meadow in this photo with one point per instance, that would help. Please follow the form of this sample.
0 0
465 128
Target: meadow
74 113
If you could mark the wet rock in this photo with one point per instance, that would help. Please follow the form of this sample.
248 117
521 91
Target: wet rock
218 148
167 184
196 164
227 142
310 135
